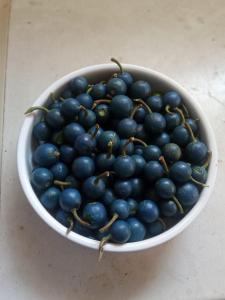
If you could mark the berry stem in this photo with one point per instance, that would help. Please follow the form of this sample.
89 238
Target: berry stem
84 109
96 102
163 223
181 114
93 135
109 224
78 218
103 175
70 220
198 182
118 64
110 148
61 183
144 104
101 246
135 110
31 109
185 111
190 132
90 87
206 164
163 162
167 109
132 140
179 206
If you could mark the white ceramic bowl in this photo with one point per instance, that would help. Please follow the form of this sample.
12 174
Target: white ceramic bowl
94 74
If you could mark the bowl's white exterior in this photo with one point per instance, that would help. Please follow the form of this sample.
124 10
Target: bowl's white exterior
97 73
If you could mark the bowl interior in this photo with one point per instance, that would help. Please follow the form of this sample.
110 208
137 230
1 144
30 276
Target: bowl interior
159 82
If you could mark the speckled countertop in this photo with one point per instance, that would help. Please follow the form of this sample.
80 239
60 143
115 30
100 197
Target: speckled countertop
47 39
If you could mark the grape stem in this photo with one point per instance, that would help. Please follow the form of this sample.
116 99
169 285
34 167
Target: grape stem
109 224
144 104
179 206
118 64
135 110
31 109
96 131
77 217
163 162
103 175
101 246
190 132
96 102
70 220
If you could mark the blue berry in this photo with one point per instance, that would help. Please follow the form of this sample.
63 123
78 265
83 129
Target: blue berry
46 155
123 188
95 214
138 230
152 152
85 144
137 186
148 211
72 131
154 123
162 139
180 135
168 208
85 100
165 188
139 164
70 108
78 85
140 89
155 103
196 152
124 166
180 171
63 217
120 231
87 118
41 178
133 205
50 198
171 152
54 118
187 194
116 86
155 228
121 106
153 170
67 154
108 197
121 208
172 98
126 77
59 171
41 132
102 113
105 138
98 91
172 120
126 128
83 167
93 187
69 199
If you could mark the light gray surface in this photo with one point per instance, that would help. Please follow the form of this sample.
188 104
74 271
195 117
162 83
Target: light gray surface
183 39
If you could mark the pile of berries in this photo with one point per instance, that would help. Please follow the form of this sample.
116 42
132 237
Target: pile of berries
116 161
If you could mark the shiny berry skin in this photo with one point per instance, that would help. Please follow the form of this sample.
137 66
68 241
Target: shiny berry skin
93 187
63 217
102 113
187 194
104 161
54 118
152 152
172 120
59 171
70 108
168 208
155 103
162 139
42 178
121 208
154 228
180 136
67 154
139 150
129 147
126 128
50 198
180 171
69 199
140 115
123 188
196 152
199 173
133 205
120 231
98 91
108 197
153 170
83 167
165 188
85 100
172 98
72 131
148 211
41 132
78 85
139 163
87 118
46 155
126 77
138 230
140 89
137 186
171 152
95 214
154 123
124 166
116 86
141 133
193 124
67 93
85 144
121 106
105 138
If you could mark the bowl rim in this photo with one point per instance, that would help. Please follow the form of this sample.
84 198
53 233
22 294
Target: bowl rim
91 243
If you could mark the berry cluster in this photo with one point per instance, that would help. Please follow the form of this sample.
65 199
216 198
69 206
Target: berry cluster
116 161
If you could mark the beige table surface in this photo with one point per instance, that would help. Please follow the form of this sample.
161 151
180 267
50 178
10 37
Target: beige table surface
47 39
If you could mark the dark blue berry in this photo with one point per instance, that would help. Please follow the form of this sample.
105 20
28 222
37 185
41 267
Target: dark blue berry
69 199
93 187
108 197
102 113
72 131
124 166
196 152
140 89
116 86
139 163
85 100
133 205
87 118
154 122
126 77
138 230
187 194
155 228
172 120
105 138
41 132
153 170
168 208
98 91
126 128
137 187
155 103
172 98
162 139
152 152
123 188
165 188
121 208
41 178
180 171
148 211
70 108
83 167
59 171
50 198
95 214
180 135
78 85
120 231
121 106
46 155
85 144
171 152
67 154
54 118
63 217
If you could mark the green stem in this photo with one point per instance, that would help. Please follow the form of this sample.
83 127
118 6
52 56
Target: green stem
101 246
96 102
84 109
61 183
198 182
78 218
103 175
167 109
179 206
110 148
144 104
162 222
181 114
136 140
135 110
90 87
118 64
206 164
163 162
31 109
190 132
70 220
109 224
185 111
